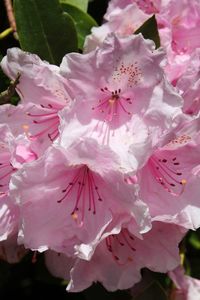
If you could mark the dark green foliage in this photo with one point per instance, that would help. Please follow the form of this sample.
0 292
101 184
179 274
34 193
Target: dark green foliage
83 22
44 29
149 30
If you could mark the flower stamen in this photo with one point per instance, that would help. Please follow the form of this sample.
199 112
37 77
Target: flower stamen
112 104
48 120
86 191
121 247
165 172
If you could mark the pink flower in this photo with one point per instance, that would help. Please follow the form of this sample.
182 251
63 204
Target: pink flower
13 153
39 82
58 264
122 24
184 21
43 92
178 26
169 182
187 288
119 258
21 151
68 197
149 6
189 85
39 124
9 217
178 23
127 92
116 6
9 213
10 251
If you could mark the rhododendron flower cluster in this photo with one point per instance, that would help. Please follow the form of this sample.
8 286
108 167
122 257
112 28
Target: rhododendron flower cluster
100 160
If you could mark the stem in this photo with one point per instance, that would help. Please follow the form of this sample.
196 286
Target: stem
6 32
11 17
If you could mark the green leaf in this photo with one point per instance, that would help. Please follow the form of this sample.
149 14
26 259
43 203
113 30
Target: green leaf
82 20
149 30
194 241
44 29
82 4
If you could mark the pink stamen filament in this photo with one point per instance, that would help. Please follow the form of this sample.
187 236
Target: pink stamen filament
45 120
46 129
50 106
4 165
5 175
53 135
91 195
70 187
160 172
96 188
3 193
123 106
42 115
111 103
51 119
110 249
81 186
165 170
127 241
161 160
86 189
122 240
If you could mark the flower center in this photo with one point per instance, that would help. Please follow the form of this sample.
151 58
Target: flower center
84 190
47 122
112 104
121 247
167 173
